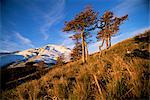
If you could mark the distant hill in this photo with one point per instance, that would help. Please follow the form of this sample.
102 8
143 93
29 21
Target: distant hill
119 73
48 54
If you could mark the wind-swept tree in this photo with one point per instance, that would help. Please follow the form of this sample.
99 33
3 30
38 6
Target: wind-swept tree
109 25
81 24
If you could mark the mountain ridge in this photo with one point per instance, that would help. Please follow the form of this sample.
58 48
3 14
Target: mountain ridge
48 53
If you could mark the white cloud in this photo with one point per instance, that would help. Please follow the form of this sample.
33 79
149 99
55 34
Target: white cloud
45 35
55 15
9 46
44 29
127 6
45 18
68 42
24 40
14 42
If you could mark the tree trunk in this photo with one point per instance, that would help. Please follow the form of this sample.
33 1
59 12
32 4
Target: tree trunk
109 42
83 47
86 50
101 47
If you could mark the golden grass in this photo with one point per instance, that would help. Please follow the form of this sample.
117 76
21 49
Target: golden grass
114 75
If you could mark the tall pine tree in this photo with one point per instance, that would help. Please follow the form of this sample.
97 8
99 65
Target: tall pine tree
82 23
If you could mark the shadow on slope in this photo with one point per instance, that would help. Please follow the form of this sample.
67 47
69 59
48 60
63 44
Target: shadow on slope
12 77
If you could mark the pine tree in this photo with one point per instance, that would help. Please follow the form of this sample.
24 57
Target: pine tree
109 25
82 23
77 52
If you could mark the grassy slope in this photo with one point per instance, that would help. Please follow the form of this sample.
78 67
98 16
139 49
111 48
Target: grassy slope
121 72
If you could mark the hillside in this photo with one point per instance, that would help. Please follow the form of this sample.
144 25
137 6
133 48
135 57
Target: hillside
19 67
121 72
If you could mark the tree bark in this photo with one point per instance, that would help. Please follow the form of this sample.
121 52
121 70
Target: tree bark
101 47
109 42
86 51
83 47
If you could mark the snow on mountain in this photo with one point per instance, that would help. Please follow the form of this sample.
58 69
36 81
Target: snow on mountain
48 53
29 53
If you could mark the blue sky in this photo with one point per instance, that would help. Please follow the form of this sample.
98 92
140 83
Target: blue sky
34 23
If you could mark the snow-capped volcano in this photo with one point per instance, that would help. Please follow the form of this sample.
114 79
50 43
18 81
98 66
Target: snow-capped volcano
48 53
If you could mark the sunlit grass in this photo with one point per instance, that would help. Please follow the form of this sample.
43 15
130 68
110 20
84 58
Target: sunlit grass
113 75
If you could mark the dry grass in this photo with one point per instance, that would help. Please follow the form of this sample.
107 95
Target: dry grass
116 75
